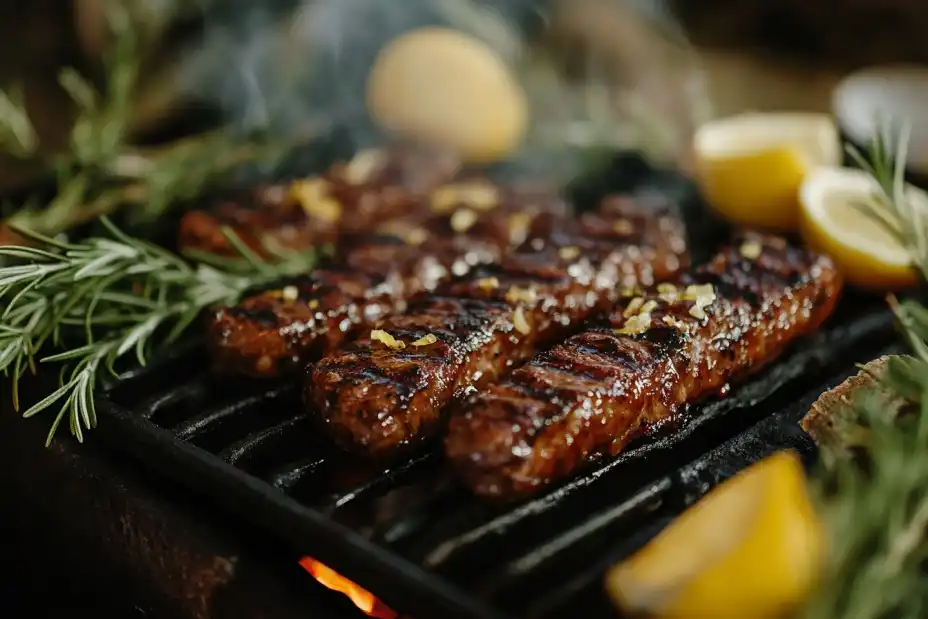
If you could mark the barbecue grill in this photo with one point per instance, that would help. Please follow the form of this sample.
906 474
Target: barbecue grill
414 537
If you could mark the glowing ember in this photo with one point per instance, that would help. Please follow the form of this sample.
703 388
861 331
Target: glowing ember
366 601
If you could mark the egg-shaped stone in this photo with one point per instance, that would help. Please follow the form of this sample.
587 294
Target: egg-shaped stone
443 87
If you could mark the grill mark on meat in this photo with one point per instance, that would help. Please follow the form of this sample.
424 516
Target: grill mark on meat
373 276
372 402
602 387
273 331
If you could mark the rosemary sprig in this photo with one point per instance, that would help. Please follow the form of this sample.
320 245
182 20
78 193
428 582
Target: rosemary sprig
107 298
901 210
102 171
876 511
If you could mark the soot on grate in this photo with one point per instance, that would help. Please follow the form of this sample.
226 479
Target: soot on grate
418 540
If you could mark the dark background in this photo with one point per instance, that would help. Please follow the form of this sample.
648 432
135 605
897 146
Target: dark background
50 499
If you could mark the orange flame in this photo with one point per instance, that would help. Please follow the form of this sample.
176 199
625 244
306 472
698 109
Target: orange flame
366 601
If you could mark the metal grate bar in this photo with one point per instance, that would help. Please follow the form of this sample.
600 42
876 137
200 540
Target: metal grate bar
246 446
648 500
444 500
522 525
165 401
562 601
205 421
389 478
137 384
285 477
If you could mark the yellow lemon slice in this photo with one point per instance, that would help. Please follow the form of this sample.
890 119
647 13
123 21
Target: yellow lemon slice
750 166
868 255
751 549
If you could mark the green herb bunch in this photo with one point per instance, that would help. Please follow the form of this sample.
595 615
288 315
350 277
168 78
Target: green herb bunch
106 298
875 500
102 170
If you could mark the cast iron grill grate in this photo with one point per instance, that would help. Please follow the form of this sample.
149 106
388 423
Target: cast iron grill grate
414 537
418 540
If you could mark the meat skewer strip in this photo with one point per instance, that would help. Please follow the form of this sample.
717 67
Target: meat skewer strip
279 330
386 393
655 354
374 186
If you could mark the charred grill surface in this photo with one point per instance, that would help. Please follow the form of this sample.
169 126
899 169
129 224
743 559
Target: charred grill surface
457 228
654 355
415 537
386 393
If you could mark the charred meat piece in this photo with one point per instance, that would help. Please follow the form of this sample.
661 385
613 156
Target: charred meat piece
265 217
388 392
354 196
274 331
469 223
373 276
637 240
655 354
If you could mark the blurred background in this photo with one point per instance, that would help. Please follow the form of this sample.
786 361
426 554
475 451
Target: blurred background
646 71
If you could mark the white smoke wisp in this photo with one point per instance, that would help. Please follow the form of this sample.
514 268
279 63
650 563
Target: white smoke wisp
302 66
268 67
635 82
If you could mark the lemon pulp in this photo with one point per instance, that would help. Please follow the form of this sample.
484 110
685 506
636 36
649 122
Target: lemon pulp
832 222
750 166
749 550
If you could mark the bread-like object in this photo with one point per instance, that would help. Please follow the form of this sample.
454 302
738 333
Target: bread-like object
829 420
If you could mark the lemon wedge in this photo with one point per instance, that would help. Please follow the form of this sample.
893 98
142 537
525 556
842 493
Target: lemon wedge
750 549
750 166
868 255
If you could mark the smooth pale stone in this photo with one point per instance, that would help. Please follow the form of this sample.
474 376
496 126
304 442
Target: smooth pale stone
863 102
443 87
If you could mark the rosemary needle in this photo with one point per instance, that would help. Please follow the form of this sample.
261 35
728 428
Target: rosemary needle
876 512
105 298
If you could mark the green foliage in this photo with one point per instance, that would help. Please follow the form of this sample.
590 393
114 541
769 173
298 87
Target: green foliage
105 298
875 501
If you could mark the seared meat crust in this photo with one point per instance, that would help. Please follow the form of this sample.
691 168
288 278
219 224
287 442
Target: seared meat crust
380 396
656 353
355 196
461 227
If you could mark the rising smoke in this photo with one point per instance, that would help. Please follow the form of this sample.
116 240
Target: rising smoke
302 65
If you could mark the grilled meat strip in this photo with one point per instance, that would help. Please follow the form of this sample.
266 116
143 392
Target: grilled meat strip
373 276
374 186
387 392
656 353
265 215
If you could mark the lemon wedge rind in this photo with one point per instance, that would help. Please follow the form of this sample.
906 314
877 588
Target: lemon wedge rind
814 137
848 186
832 222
